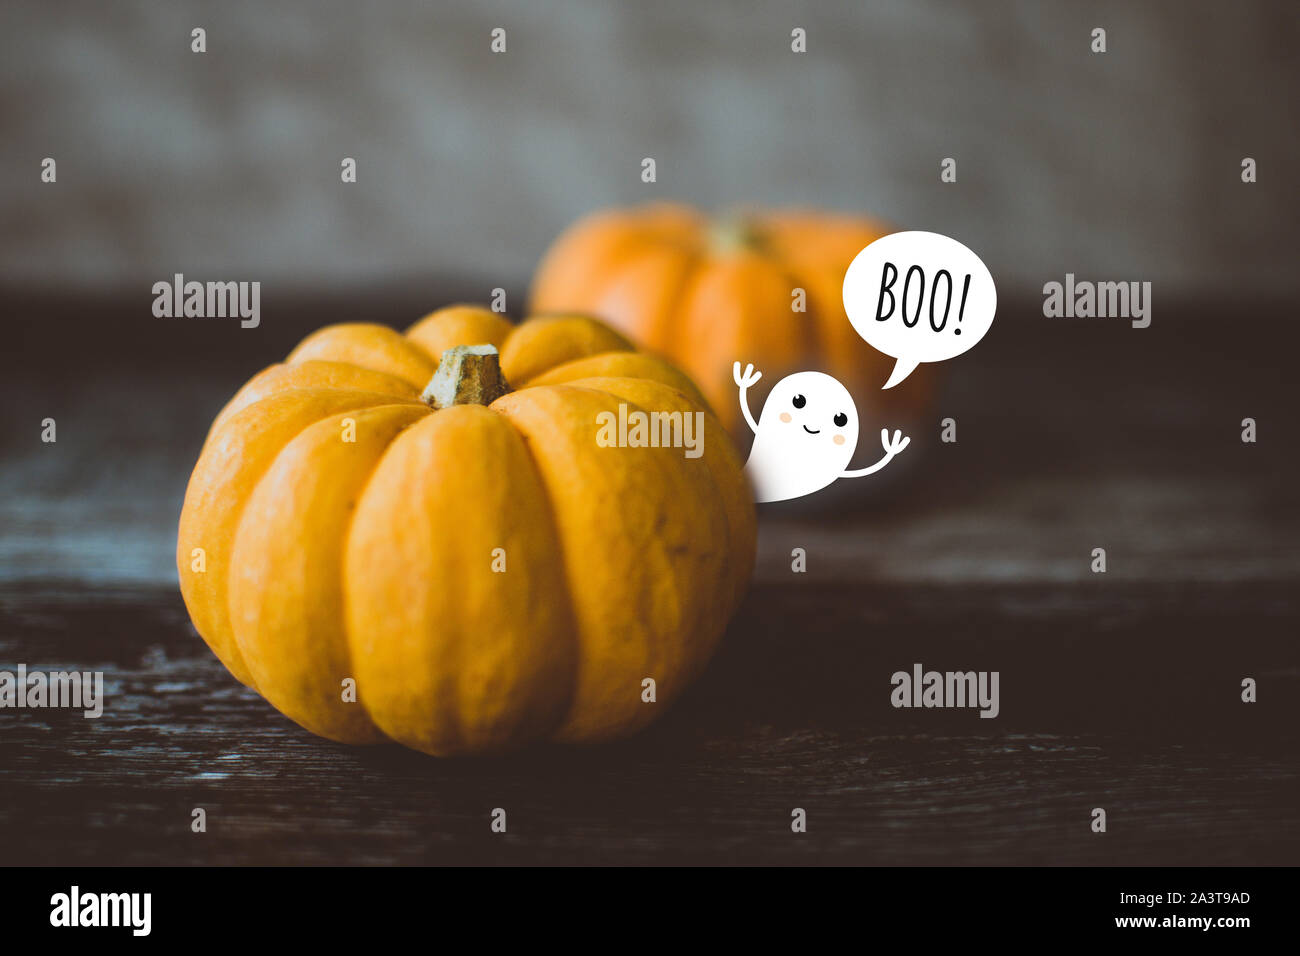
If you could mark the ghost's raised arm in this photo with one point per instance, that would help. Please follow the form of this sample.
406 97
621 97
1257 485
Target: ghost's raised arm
892 448
869 470
748 378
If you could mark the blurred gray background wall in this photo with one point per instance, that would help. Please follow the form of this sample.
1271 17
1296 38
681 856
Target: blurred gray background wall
226 164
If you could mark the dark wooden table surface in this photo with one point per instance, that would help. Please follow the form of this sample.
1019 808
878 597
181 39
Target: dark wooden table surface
1119 690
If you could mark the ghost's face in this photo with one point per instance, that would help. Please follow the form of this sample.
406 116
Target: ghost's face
806 436
814 414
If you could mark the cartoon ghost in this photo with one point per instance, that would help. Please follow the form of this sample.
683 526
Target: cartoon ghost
805 436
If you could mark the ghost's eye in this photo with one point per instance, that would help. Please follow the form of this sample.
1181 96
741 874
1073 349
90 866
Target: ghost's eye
841 420
799 401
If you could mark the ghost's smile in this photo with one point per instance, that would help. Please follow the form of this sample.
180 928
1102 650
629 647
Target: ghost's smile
811 432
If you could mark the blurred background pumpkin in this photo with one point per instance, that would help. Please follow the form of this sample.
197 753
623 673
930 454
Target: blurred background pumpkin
754 286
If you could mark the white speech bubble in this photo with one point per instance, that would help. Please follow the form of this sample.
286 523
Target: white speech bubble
920 297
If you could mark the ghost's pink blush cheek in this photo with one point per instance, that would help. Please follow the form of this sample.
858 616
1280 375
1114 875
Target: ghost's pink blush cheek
838 439
785 417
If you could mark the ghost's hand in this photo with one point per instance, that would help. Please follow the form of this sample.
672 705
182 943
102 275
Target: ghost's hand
894 446
744 380
747 378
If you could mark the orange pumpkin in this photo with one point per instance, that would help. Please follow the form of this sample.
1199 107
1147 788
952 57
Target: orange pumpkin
707 294
462 567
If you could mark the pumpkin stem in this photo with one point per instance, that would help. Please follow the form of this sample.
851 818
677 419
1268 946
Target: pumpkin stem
735 232
467 375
